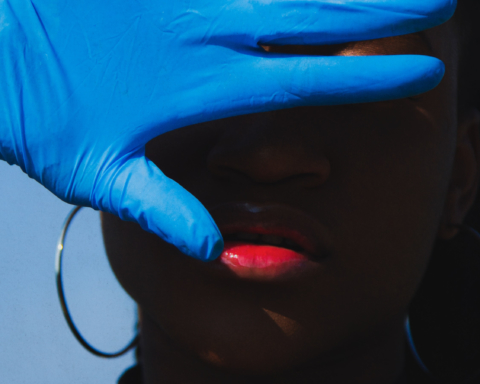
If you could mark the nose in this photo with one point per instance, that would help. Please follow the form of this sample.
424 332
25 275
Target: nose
272 147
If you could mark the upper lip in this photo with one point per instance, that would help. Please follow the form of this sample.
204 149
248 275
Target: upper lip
273 219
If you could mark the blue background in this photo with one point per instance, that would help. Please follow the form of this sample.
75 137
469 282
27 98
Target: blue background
36 345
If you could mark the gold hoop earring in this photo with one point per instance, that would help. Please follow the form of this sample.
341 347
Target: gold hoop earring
63 302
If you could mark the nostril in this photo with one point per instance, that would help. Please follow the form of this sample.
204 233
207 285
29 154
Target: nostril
228 174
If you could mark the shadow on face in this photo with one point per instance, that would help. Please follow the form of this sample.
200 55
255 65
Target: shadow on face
374 177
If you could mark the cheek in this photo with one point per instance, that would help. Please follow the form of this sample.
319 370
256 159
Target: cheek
141 261
124 246
388 197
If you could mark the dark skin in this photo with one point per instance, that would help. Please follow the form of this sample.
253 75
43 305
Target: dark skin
384 179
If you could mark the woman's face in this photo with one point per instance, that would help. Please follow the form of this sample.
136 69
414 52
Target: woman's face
367 183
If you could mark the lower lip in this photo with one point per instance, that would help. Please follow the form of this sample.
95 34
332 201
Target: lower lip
264 262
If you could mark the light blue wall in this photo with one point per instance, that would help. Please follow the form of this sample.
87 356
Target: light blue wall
35 343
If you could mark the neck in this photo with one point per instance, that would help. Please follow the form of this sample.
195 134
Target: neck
379 359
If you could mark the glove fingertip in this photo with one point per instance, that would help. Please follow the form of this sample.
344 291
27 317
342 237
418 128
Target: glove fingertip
215 250
204 244
138 191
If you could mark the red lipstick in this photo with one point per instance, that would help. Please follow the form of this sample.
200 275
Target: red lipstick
268 242
262 262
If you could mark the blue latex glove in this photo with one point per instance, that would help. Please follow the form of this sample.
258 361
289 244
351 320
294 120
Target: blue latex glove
84 85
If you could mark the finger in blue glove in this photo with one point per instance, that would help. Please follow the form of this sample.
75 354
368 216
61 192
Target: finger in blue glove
85 85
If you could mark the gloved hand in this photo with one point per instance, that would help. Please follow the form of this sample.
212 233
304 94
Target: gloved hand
84 85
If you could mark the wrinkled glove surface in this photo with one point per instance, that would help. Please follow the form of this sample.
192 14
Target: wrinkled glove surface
84 85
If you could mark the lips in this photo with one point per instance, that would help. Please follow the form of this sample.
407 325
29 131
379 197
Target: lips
268 242
264 262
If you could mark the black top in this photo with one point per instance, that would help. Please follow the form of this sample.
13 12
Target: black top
413 374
